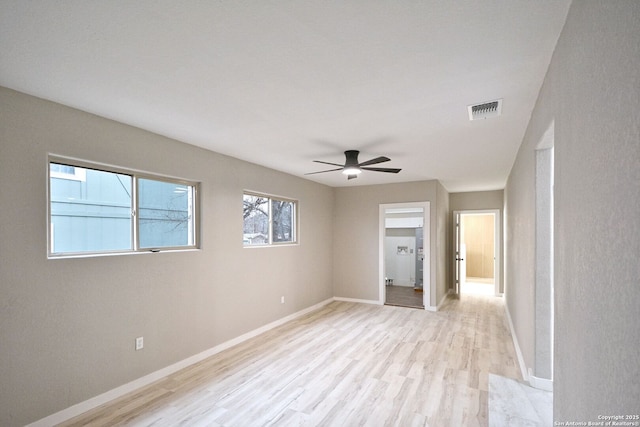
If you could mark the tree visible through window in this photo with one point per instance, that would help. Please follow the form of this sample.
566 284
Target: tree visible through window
164 210
268 220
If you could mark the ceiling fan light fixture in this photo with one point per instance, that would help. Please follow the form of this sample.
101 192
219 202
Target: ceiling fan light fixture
351 170
352 167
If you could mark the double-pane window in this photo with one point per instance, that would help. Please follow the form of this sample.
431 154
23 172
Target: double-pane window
268 220
93 211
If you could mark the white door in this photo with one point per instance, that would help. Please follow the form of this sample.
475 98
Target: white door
458 252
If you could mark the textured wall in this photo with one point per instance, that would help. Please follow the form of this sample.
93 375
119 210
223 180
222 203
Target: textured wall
544 263
592 94
443 241
476 200
67 326
356 234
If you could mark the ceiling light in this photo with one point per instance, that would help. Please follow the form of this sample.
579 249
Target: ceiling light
351 170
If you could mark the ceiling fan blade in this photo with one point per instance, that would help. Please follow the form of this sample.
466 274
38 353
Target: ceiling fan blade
375 161
352 176
388 170
330 170
328 163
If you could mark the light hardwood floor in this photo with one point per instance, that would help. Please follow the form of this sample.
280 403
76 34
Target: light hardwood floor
346 364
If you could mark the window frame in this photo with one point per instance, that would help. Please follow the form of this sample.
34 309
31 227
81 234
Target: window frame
135 175
294 219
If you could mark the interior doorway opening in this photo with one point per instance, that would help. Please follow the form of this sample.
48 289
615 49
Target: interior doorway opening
404 255
477 252
541 374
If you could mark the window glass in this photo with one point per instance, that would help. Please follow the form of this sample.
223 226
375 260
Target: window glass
256 220
94 211
164 214
282 220
90 215
67 172
268 220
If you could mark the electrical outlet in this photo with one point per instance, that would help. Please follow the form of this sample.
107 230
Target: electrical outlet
281 300
139 343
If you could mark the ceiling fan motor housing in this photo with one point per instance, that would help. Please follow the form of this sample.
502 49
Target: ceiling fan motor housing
351 159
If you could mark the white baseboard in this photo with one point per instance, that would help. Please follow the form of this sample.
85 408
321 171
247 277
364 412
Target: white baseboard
361 301
437 307
540 383
444 298
117 392
523 368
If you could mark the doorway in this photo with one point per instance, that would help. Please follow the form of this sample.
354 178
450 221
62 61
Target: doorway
404 255
542 374
477 252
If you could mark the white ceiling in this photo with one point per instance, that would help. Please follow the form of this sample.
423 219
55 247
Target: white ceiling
281 83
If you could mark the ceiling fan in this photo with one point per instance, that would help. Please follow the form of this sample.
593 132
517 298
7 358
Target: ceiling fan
352 168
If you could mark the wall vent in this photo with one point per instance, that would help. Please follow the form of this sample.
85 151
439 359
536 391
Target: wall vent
485 110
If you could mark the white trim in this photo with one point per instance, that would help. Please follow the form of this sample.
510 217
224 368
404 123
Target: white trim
523 368
444 297
120 391
437 308
356 300
540 383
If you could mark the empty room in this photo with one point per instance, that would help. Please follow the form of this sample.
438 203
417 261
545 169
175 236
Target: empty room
336 213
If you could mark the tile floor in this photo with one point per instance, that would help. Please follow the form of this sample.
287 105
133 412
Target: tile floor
515 404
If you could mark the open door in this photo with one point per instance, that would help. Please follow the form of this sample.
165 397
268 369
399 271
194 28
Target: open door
476 251
458 255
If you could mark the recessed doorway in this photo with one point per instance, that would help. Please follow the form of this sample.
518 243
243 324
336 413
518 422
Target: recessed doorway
477 252
404 255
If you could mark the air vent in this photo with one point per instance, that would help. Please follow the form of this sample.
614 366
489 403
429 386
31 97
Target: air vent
485 110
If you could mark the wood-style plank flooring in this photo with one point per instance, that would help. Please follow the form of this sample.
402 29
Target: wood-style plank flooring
346 364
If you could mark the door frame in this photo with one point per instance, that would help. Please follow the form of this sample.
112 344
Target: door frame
497 265
427 286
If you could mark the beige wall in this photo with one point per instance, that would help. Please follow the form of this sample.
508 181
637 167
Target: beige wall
442 243
592 95
356 235
67 326
476 200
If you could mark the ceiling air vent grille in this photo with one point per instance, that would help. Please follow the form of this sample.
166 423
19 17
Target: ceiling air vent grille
485 110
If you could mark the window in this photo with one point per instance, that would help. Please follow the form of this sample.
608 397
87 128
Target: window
66 172
164 213
93 210
268 220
